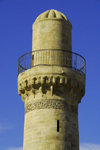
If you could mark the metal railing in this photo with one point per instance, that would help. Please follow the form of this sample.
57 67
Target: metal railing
52 58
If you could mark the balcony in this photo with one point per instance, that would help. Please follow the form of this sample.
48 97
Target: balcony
54 57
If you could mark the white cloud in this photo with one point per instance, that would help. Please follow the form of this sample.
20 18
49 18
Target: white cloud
89 146
15 148
83 146
5 126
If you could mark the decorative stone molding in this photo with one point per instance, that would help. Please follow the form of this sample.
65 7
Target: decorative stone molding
50 104
54 104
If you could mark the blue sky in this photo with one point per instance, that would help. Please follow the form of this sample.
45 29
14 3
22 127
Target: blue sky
16 19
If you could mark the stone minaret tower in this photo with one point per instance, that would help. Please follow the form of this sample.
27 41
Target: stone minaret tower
51 82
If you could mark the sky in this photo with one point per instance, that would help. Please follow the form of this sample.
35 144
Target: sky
16 19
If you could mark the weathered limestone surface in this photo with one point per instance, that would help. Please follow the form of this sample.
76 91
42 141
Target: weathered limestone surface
51 93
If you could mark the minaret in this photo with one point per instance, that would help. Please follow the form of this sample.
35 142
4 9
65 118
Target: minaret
51 82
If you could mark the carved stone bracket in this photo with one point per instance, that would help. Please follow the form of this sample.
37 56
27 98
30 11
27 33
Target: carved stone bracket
49 82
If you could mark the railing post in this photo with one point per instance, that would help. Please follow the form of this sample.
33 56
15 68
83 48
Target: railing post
75 62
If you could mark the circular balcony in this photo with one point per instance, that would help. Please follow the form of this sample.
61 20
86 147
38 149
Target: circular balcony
54 57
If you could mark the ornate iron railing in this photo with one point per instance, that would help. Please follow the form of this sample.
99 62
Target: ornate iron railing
52 58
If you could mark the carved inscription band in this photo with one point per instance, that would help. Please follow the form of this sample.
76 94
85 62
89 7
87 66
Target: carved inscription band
54 104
